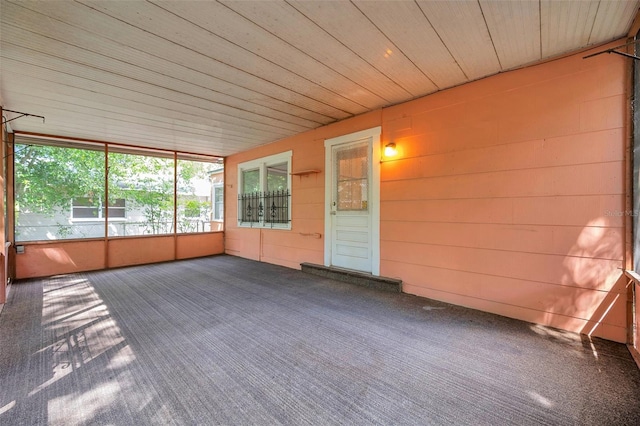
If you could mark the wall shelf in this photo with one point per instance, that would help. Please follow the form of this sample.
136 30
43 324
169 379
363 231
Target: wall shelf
305 172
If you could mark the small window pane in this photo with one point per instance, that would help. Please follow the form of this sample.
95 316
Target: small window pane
85 208
218 209
277 177
117 209
250 181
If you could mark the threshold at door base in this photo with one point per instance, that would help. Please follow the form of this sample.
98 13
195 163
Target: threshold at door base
353 277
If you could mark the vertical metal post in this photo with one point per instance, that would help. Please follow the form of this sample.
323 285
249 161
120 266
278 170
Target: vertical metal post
106 200
635 196
175 205
11 196
635 161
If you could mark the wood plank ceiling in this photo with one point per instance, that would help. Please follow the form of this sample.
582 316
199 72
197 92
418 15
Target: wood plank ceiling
221 77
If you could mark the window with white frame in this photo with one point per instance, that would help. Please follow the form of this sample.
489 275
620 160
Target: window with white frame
91 208
265 192
218 201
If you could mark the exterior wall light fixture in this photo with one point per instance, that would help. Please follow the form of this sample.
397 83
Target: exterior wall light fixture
390 150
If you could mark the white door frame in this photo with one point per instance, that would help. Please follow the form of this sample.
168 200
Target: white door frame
374 135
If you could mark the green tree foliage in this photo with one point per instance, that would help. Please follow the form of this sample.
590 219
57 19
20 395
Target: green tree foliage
48 177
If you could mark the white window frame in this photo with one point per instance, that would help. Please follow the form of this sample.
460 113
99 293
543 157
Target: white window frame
261 164
215 188
98 218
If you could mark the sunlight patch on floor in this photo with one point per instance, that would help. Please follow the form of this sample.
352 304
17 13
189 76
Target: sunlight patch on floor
7 407
545 402
78 329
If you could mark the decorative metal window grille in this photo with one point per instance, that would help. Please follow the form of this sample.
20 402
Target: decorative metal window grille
264 208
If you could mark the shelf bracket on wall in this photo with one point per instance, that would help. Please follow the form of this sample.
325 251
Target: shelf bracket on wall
22 114
305 172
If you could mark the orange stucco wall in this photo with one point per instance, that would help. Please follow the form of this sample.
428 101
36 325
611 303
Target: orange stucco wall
63 257
507 195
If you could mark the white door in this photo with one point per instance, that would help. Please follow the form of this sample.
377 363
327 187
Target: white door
351 224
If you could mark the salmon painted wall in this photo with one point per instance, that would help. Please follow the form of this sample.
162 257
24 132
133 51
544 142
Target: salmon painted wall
64 257
60 257
636 337
198 245
305 241
507 195
139 251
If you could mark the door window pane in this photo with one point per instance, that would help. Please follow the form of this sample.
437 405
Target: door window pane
352 178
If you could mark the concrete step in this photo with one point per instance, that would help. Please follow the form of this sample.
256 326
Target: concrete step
353 277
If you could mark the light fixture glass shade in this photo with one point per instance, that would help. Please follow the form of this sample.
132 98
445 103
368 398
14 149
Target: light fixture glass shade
390 150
